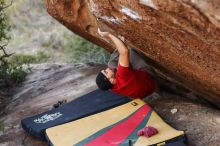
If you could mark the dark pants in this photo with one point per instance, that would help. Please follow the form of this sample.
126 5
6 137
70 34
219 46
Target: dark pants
136 62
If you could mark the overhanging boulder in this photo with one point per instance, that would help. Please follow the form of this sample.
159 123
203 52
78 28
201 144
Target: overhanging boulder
179 38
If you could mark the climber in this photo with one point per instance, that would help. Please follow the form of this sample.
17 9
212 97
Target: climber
126 73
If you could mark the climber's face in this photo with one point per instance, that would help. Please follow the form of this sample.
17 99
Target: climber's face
110 75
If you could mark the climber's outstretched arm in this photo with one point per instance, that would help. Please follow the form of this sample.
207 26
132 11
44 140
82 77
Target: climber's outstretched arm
122 49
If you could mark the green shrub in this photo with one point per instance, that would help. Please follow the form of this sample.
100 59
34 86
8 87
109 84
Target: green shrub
18 66
20 59
41 57
12 74
80 50
16 74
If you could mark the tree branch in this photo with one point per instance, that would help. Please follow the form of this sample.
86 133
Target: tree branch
7 5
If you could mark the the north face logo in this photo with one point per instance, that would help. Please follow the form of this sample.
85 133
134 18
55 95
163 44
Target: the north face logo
46 118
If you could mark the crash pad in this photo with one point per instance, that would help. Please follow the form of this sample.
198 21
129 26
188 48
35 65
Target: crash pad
91 103
117 126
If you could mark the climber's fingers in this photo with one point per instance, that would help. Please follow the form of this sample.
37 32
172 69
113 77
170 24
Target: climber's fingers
102 33
121 38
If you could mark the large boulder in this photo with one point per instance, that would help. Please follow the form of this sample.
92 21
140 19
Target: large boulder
180 39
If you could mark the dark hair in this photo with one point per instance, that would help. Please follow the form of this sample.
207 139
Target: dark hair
102 82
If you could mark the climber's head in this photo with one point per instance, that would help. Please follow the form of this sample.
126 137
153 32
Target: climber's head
106 79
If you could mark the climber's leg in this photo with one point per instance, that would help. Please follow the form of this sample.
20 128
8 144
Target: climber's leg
136 61
113 61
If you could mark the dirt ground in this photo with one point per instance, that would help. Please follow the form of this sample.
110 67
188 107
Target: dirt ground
52 82
199 121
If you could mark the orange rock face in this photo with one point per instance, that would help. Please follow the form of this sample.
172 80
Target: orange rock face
180 39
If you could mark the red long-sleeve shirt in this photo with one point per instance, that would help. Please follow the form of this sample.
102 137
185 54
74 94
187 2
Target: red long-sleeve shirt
133 83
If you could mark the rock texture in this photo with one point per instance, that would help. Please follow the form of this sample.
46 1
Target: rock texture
49 83
200 122
179 38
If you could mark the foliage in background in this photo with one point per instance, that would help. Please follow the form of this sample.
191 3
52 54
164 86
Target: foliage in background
4 27
35 30
10 74
80 50
16 66
21 59
41 32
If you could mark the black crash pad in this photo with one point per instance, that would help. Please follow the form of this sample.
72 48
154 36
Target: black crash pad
91 103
